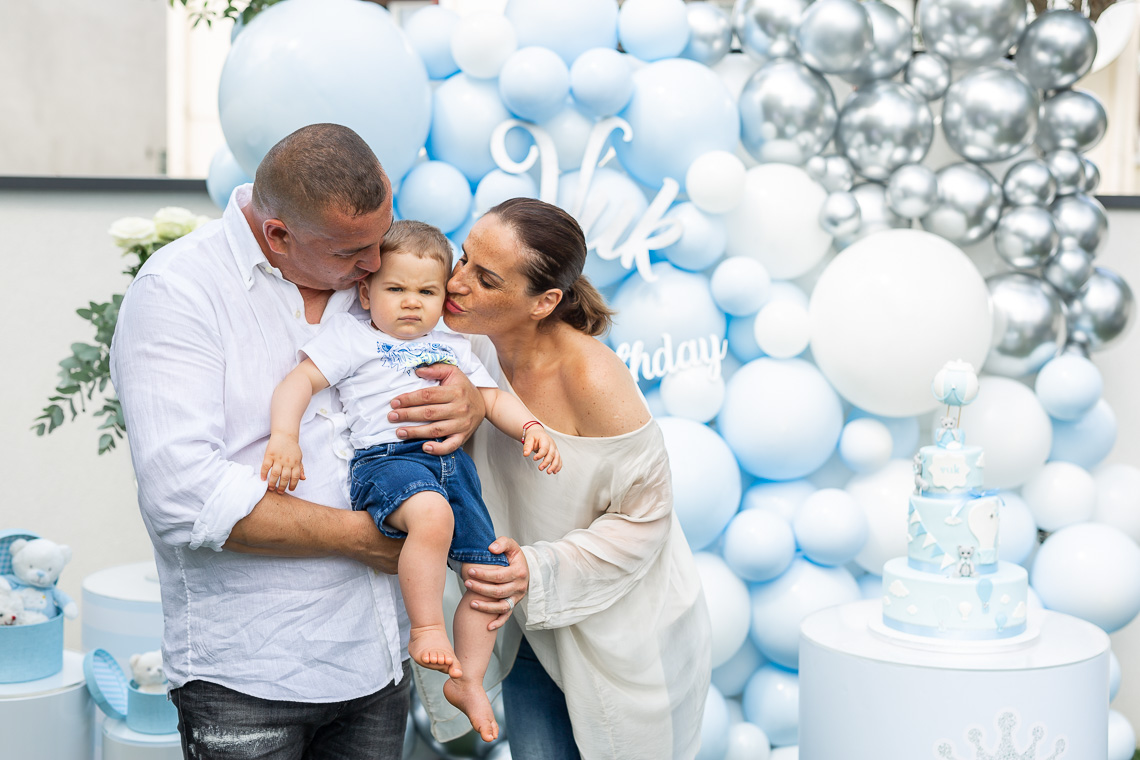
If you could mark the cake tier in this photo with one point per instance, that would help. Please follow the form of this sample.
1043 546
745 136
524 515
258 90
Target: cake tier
990 606
943 532
950 469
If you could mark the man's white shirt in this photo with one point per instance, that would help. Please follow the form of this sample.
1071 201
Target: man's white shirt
206 332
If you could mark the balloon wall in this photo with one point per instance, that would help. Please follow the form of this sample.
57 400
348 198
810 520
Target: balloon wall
776 202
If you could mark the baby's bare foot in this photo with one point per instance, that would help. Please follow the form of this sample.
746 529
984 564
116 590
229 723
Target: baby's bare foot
472 700
428 646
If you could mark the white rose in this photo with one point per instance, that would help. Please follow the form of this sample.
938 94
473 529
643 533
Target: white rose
199 221
131 231
173 222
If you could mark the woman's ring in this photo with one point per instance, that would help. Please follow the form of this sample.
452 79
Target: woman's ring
511 603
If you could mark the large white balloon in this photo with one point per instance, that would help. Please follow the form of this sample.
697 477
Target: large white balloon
1007 420
777 221
706 479
693 393
884 496
1118 498
889 311
1060 494
715 181
747 741
783 497
782 329
729 606
865 444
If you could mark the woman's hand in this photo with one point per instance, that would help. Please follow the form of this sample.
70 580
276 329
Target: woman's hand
451 410
501 583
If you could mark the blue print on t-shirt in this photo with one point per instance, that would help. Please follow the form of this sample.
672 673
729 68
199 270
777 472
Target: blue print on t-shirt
409 356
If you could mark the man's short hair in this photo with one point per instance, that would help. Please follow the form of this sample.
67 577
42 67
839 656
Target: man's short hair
317 168
417 238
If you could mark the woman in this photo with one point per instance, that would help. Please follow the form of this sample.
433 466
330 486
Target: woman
609 623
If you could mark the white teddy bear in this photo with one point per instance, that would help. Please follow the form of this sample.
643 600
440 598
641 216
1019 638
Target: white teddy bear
38 564
12 610
147 671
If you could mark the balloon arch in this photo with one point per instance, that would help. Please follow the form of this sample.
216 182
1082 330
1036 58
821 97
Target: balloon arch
781 232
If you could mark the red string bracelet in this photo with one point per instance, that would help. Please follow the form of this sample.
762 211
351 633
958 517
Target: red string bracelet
527 427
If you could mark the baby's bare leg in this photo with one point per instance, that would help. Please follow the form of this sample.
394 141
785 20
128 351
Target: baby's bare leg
426 518
473 645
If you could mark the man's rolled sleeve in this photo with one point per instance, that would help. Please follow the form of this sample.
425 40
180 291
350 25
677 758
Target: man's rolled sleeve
234 497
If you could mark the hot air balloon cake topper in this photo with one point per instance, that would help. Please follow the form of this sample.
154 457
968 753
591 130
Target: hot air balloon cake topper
956 384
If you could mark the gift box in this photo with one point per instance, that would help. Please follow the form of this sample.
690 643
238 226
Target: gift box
121 699
28 652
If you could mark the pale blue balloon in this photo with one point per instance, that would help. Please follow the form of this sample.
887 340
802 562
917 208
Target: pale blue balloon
653 29
1085 441
904 431
313 61
706 479
429 30
655 403
568 29
465 112
1017 530
714 727
623 202
784 497
758 545
831 527
742 338
223 176
534 83
771 701
733 676
781 418
1069 386
436 193
1115 674
678 304
703 238
680 110
459 236
499 186
870 586
779 606
601 81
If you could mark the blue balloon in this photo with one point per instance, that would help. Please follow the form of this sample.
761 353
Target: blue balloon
1017 530
714 727
758 545
742 338
224 175
1069 387
831 527
653 29
624 204
706 479
733 676
779 606
1085 441
904 431
436 193
784 498
985 589
703 239
870 586
568 29
429 30
680 110
465 113
781 418
313 61
677 304
499 186
601 81
534 83
772 701
459 235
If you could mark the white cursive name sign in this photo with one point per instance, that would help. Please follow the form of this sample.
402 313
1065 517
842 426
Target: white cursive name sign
697 352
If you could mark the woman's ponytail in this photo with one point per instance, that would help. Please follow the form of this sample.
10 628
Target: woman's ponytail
585 309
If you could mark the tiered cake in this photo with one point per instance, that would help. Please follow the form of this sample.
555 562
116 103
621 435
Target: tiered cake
951 584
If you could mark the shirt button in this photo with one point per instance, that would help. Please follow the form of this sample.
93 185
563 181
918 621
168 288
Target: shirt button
324 411
297 314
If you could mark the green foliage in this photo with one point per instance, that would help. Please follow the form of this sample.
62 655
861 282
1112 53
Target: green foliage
209 11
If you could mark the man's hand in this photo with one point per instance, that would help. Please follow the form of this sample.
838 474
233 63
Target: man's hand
502 583
451 410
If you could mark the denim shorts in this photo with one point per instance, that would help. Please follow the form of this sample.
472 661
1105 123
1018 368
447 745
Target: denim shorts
385 476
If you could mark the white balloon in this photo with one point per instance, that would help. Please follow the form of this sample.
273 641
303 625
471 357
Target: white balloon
784 498
777 222
715 181
879 326
865 444
693 393
706 479
1017 529
830 527
1008 422
1060 494
782 329
1121 737
747 741
884 496
729 606
732 675
570 130
735 69
740 286
482 43
1118 498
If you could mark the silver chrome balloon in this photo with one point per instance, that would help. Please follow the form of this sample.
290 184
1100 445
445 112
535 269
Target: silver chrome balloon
1101 311
1056 50
839 215
467 747
766 28
1029 183
1068 169
882 126
835 35
968 206
874 212
1080 221
1071 120
1077 345
990 114
710 33
1026 237
1092 176
912 191
1029 324
1069 269
971 31
893 38
787 113
929 75
838 174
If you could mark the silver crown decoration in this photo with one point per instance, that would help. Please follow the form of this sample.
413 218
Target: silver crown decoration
1005 750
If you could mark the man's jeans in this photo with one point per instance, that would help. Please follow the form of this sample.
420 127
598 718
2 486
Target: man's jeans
222 724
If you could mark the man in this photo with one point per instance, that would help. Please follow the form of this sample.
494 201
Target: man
285 633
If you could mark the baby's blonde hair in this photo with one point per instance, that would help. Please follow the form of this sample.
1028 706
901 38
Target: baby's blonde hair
419 239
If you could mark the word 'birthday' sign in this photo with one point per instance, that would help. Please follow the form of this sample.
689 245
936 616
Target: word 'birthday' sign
697 352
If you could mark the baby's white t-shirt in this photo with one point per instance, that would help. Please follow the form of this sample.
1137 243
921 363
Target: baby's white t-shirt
370 368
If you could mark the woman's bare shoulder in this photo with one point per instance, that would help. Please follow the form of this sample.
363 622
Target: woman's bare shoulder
601 391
